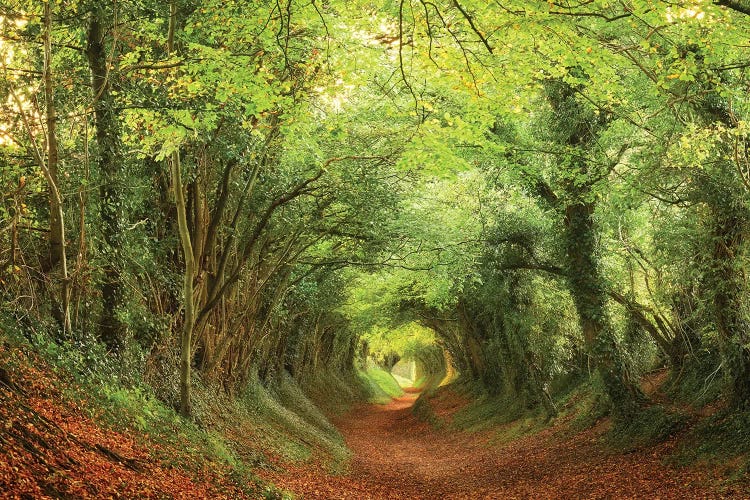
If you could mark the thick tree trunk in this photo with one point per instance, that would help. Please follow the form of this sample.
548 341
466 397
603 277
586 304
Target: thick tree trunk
576 128
590 299
110 193
728 282
722 190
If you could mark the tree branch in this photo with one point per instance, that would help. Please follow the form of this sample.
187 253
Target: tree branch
474 28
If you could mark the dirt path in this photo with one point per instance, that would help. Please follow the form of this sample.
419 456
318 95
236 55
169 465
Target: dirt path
396 456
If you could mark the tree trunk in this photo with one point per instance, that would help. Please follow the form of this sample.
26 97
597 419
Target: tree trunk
47 158
188 277
57 223
728 282
577 128
110 193
722 191
186 340
589 297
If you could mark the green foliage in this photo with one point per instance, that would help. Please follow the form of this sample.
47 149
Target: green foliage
379 384
699 383
504 417
406 341
303 432
535 192
650 426
721 437
101 396
588 404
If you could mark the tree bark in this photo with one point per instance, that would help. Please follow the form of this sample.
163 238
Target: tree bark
110 194
47 158
57 218
590 299
56 224
186 244
728 282
188 325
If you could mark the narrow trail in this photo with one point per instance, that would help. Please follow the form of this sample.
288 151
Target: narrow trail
397 456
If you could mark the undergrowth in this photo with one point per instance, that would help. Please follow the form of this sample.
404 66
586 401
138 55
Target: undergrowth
647 427
239 433
698 382
721 440
586 405
121 403
422 409
580 406
506 416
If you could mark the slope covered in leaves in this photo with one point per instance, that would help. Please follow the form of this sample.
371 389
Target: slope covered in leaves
52 447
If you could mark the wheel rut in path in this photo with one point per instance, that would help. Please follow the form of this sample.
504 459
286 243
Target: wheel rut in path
397 456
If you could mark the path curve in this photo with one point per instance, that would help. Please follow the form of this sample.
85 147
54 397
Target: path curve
397 456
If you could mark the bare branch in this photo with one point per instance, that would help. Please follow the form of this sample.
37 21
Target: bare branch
474 28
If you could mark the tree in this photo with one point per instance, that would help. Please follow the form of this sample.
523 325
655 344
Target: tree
111 160
44 151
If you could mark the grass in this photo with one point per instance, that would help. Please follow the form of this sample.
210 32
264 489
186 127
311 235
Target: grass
403 382
698 382
487 412
430 381
506 415
580 405
423 411
586 405
305 432
380 385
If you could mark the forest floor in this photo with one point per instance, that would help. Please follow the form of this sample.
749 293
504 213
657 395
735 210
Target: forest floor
395 455
56 444
53 444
